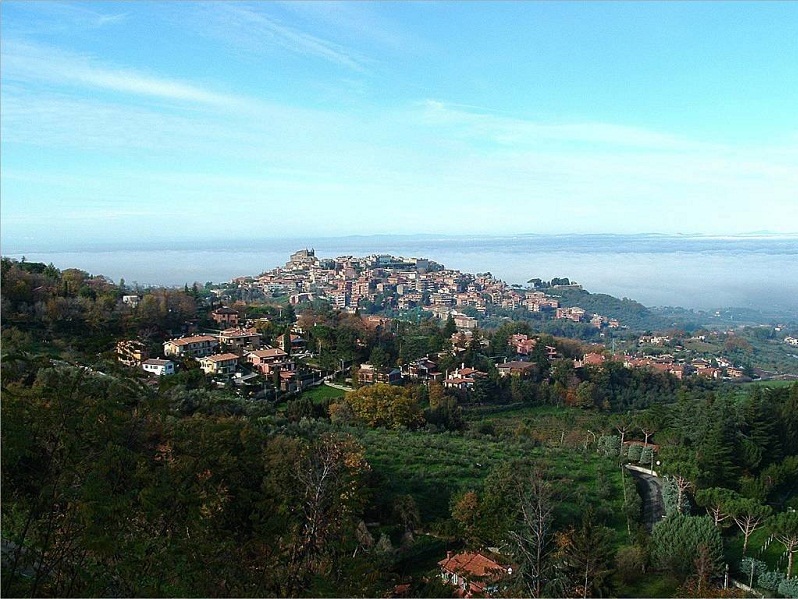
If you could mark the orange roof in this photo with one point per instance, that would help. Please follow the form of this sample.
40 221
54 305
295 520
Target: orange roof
268 353
221 357
188 340
473 564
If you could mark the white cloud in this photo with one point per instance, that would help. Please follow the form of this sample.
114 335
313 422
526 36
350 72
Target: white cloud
25 62
492 126
249 28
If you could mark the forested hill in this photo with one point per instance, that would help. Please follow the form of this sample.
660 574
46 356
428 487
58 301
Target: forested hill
631 313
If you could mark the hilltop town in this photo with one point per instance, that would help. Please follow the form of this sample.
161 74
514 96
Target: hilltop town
381 288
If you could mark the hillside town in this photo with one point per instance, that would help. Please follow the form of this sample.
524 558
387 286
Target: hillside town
235 350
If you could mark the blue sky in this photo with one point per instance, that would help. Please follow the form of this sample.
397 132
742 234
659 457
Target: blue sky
177 120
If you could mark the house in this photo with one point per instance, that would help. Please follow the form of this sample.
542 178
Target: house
131 353
423 369
590 359
735 373
219 364
462 378
463 322
225 316
523 344
473 574
297 343
238 340
197 346
368 375
515 368
268 360
158 366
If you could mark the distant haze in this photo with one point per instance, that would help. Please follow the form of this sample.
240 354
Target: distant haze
692 272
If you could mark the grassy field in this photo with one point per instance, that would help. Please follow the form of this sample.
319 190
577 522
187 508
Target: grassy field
433 467
323 392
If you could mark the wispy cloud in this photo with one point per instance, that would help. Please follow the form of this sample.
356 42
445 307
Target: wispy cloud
357 20
491 126
62 17
25 62
249 28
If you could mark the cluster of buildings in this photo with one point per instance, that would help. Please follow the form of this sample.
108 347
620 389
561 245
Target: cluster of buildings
348 283
220 354
716 368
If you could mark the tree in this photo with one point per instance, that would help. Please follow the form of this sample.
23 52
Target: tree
384 405
623 424
328 479
467 513
450 328
752 567
584 557
749 515
680 468
785 531
717 501
678 540
406 510
532 535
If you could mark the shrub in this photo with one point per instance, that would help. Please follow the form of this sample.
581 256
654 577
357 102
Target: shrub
770 580
789 587
634 452
609 445
752 567
646 456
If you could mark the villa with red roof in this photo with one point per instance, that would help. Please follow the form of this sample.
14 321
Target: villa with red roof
474 574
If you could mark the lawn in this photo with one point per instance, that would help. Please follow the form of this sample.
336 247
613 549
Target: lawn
322 393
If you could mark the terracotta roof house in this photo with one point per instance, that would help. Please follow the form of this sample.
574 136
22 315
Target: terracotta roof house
240 339
195 347
226 316
474 574
219 364
369 374
268 360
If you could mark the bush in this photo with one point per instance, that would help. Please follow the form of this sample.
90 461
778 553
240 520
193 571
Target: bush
770 580
609 445
752 567
789 587
634 452
646 456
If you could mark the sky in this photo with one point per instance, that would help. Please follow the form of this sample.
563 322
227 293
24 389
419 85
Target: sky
225 120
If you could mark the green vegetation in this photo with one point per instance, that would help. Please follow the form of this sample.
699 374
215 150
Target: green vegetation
115 485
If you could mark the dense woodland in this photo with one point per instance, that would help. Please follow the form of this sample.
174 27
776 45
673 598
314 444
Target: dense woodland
118 485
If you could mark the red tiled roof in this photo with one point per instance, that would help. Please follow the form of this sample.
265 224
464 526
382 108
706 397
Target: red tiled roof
474 565
221 357
268 353
188 340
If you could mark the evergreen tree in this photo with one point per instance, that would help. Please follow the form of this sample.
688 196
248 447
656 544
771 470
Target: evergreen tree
679 540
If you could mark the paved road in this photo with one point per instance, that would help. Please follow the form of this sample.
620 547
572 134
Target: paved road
650 488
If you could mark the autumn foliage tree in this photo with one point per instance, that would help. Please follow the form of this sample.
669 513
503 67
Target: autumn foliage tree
384 405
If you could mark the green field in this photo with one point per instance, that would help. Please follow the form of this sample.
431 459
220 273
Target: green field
323 392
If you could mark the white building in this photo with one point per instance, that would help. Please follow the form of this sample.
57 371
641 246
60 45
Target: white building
158 367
